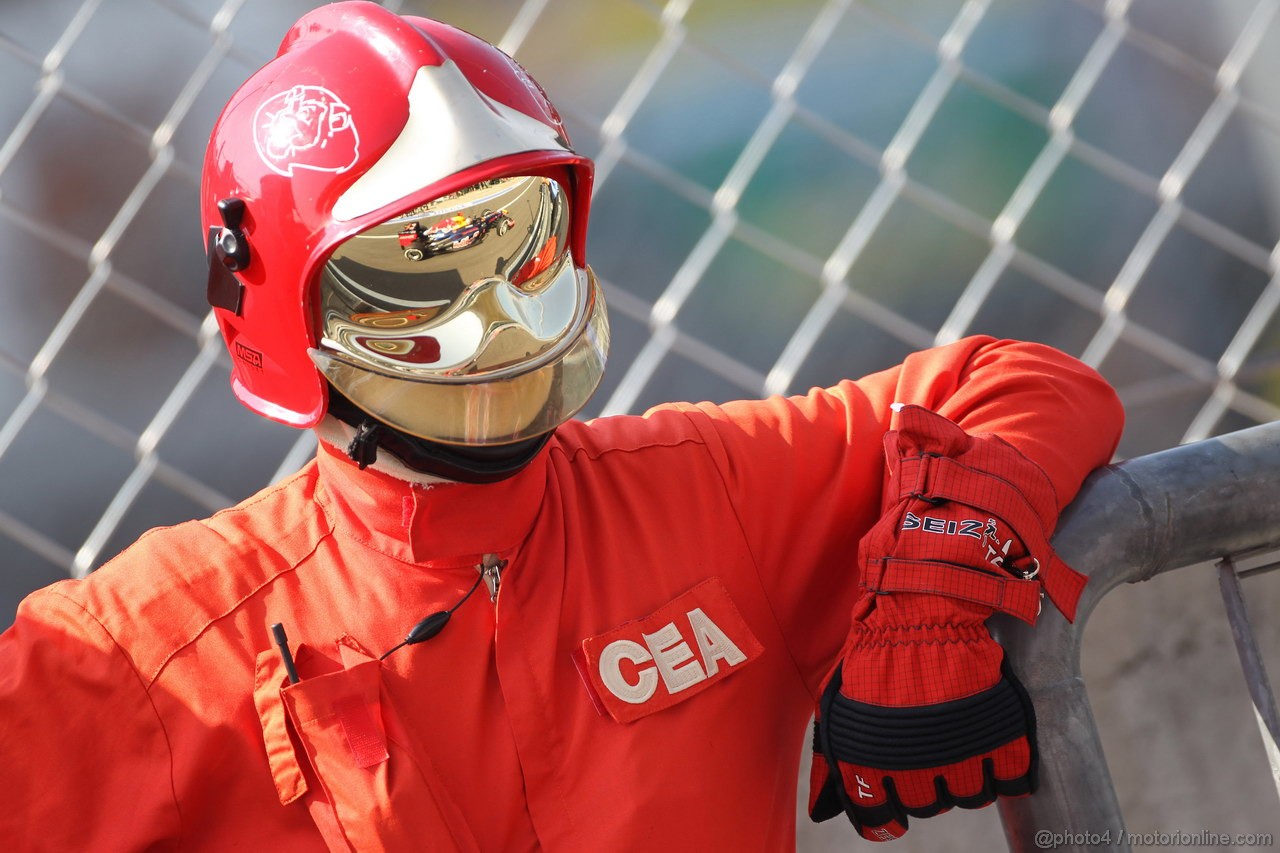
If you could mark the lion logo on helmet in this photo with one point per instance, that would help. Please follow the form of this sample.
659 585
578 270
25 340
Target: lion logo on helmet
307 127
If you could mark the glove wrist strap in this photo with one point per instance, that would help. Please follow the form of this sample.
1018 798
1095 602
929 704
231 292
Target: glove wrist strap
1018 598
939 478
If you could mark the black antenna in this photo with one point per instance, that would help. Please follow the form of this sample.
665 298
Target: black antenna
282 642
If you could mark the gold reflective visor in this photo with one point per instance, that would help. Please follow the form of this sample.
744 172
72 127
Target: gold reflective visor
465 320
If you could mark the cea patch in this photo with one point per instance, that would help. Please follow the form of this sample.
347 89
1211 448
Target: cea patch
673 654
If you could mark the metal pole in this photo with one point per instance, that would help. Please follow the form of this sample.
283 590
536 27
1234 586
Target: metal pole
1255 671
1130 522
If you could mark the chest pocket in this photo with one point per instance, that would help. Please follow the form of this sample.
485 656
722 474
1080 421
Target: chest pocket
335 744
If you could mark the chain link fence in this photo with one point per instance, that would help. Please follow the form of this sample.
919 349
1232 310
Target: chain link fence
788 192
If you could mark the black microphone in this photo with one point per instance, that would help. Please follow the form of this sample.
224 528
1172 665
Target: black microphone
434 624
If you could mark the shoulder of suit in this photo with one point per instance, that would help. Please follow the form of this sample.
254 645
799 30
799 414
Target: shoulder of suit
670 425
166 588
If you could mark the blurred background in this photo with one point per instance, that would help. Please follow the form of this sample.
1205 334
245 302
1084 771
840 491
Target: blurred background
788 192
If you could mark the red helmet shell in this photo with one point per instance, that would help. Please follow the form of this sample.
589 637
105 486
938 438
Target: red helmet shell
305 128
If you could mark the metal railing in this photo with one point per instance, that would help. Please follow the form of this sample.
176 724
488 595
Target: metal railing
1214 500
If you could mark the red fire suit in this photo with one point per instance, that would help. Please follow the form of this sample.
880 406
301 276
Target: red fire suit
677 585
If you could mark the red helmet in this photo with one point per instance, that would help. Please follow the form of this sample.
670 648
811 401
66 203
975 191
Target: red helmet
392 205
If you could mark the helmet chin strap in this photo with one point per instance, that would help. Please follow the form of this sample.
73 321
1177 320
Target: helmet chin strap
459 463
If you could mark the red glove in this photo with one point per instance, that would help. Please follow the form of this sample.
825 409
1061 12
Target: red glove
921 713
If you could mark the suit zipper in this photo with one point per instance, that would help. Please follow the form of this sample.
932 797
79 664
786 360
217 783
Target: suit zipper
491 571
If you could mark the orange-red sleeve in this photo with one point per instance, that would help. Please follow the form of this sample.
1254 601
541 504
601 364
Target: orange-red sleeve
805 473
83 756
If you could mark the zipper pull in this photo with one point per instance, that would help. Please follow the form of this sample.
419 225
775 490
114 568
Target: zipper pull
490 570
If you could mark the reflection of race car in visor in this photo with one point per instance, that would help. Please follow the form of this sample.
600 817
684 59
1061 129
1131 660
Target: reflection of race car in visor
451 233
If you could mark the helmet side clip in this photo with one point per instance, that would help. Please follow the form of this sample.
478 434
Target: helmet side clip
228 253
